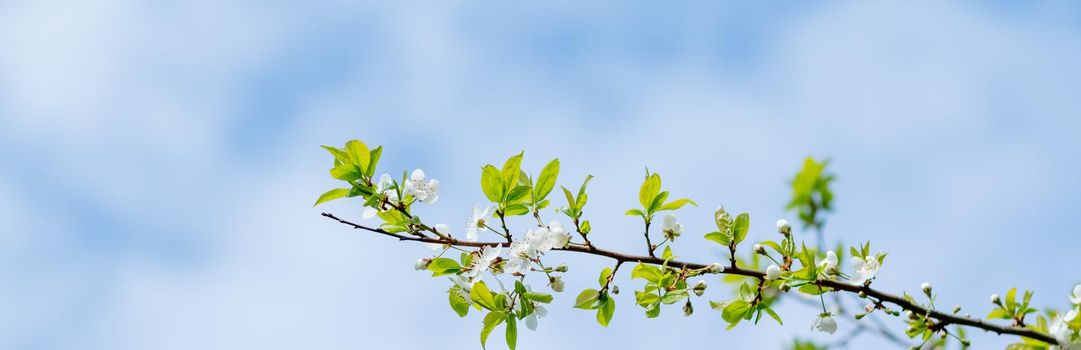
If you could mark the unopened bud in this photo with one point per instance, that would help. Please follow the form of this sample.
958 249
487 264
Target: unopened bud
773 272
869 307
758 248
860 316
966 343
995 299
556 283
561 268
422 264
942 334
699 288
615 289
716 268
909 314
785 287
783 227
862 294
688 309
957 309
926 287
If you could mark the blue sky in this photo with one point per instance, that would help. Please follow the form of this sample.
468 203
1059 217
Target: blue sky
161 157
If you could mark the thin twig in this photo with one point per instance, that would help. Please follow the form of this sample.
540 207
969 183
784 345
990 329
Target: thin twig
944 319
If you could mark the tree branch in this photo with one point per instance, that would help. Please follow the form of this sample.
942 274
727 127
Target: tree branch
943 319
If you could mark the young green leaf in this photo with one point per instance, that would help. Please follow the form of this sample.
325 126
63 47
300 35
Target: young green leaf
740 227
492 183
650 188
512 331
586 299
482 296
607 272
443 266
491 320
511 170
458 302
332 195
358 153
606 310
676 204
546 181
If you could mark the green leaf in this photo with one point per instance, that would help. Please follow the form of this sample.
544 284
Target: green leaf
515 209
606 310
358 152
740 227
1011 298
676 204
511 170
339 154
332 195
586 299
647 272
604 276
773 314
492 183
646 298
546 181
517 194
443 266
667 255
482 296
581 202
538 297
458 302
656 203
735 311
999 313
650 188
674 296
720 238
635 212
512 332
586 227
491 320
373 158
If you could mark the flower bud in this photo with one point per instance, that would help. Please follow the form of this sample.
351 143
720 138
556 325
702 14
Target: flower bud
957 309
869 307
716 267
909 314
773 272
995 299
615 289
561 268
556 283
783 227
758 248
860 316
862 294
926 287
422 264
688 309
700 288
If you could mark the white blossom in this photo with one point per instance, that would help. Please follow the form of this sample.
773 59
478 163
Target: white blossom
830 262
426 191
477 222
1076 296
382 187
824 323
866 269
1060 329
671 228
773 272
557 235
484 261
442 229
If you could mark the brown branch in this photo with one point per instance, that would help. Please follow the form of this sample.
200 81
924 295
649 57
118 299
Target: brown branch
943 318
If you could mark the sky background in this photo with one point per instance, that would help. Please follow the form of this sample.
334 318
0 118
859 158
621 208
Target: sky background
160 158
